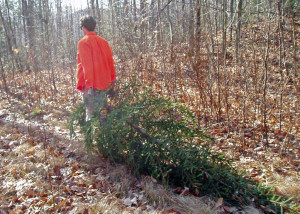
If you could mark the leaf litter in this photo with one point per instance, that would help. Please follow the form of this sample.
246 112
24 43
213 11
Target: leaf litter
43 171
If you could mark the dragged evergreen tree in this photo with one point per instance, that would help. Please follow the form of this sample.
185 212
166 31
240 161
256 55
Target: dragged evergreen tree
157 137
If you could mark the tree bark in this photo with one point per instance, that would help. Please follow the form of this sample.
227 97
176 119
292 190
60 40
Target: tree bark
28 9
10 41
224 28
93 8
231 19
238 32
3 76
198 25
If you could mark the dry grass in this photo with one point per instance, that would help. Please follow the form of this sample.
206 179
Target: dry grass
251 210
125 184
288 186
156 193
105 205
122 178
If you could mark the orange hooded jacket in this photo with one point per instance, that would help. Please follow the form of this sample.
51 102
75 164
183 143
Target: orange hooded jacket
95 64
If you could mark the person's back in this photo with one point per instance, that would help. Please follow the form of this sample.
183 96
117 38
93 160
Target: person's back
96 58
95 66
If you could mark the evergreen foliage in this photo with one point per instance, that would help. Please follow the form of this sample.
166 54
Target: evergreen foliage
160 138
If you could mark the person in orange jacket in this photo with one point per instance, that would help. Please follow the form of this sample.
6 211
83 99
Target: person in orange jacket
95 66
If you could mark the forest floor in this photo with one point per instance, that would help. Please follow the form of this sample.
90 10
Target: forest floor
42 170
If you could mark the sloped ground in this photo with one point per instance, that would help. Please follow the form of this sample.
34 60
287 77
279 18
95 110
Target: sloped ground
240 131
42 170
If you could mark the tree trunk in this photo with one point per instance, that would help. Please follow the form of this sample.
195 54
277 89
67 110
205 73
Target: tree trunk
231 19
93 8
19 64
183 25
28 9
238 32
3 76
224 28
98 17
191 24
198 25
9 39
112 17
266 77
143 36
159 25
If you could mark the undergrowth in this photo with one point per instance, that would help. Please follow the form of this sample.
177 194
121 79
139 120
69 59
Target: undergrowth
160 138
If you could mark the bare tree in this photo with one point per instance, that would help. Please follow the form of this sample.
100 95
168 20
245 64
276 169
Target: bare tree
11 41
3 76
238 32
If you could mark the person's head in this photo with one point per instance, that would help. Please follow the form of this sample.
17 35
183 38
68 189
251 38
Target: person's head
88 22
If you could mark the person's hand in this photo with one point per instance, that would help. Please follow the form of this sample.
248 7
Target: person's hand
90 91
111 93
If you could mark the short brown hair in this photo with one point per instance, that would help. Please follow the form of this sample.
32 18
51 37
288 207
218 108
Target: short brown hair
88 22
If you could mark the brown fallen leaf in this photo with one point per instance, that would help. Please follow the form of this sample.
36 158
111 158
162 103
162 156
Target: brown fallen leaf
178 190
55 153
153 179
219 131
45 199
171 211
98 185
30 193
43 194
57 171
22 199
227 209
5 146
185 192
65 189
30 140
62 203
15 200
69 203
75 168
278 191
82 185
219 202
75 174
3 152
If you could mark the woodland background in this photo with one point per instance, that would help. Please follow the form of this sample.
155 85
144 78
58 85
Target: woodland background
233 63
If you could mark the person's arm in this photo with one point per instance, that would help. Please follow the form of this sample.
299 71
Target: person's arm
113 71
80 75
111 63
85 53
